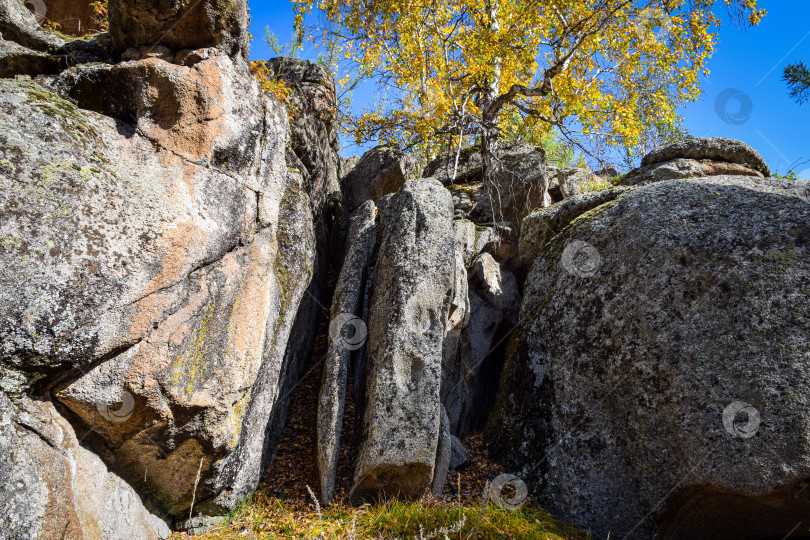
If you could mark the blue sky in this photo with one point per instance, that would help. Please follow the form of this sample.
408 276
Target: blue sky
744 97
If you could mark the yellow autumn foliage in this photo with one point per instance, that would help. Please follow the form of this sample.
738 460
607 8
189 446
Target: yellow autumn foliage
601 70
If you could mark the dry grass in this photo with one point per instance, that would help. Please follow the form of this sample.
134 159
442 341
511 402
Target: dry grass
265 518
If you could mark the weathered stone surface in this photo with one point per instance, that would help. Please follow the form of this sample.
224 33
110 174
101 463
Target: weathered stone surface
457 320
26 49
710 148
443 454
53 488
469 383
186 24
314 140
544 224
239 472
347 333
406 324
18 60
521 186
572 180
209 113
19 24
470 203
619 398
160 280
347 164
380 171
465 240
685 168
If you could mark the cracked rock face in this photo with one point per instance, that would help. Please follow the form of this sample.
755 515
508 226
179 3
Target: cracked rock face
141 275
52 487
660 381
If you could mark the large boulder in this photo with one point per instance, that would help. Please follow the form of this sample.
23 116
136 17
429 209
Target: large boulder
659 382
694 158
167 277
55 488
406 329
185 24
380 171
521 185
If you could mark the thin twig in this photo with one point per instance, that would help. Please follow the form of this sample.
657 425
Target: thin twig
194 493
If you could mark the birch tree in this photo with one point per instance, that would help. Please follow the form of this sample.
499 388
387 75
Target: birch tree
470 70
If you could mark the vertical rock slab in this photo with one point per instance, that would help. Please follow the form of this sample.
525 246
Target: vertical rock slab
458 317
408 313
444 452
347 333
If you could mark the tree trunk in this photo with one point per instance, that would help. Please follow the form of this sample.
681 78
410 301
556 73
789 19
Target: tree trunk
489 131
